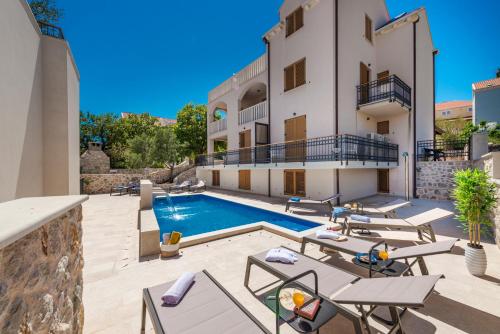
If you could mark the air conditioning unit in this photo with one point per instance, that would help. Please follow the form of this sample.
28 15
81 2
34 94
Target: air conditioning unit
374 151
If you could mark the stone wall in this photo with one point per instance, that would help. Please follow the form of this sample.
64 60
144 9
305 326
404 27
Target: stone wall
102 183
41 279
435 178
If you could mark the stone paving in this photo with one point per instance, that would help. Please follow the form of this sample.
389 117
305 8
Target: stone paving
114 275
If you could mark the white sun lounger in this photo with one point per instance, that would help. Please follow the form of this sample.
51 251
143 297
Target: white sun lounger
198 186
387 210
420 223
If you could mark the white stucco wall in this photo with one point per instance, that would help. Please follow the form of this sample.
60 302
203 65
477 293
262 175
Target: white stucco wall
39 94
486 105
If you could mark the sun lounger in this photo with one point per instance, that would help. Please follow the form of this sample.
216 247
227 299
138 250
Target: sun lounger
120 189
420 223
342 287
387 210
180 187
198 186
206 308
355 246
327 201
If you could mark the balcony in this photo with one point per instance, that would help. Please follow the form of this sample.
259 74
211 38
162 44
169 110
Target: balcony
384 97
50 30
217 126
343 151
251 71
254 113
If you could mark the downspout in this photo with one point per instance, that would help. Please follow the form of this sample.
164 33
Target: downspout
434 54
268 47
336 26
415 108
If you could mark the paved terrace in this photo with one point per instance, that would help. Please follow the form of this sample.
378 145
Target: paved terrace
114 275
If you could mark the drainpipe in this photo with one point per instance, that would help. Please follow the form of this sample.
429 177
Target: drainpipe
415 107
434 54
268 48
336 28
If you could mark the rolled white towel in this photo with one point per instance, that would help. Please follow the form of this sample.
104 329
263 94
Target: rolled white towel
328 235
177 291
281 255
360 218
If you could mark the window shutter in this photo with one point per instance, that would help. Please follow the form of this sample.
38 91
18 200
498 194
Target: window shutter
289 78
368 28
383 128
300 183
290 24
299 18
289 183
300 73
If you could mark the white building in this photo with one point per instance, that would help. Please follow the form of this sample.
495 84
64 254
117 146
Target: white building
341 92
39 107
486 100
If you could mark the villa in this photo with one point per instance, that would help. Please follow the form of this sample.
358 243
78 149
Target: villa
341 93
330 211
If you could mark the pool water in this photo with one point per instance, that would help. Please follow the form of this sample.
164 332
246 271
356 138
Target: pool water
196 214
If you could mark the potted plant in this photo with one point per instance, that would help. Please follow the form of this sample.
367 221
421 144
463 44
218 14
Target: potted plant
474 198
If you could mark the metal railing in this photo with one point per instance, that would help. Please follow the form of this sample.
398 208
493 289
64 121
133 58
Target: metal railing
343 148
48 29
257 67
217 126
391 88
443 150
253 113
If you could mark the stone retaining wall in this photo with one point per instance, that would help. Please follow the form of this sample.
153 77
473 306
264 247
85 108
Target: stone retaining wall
41 279
435 178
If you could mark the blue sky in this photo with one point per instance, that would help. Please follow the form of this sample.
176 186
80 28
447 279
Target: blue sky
155 56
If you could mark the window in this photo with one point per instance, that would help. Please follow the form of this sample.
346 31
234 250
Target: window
244 179
295 182
469 110
443 113
294 21
383 128
295 75
383 78
368 28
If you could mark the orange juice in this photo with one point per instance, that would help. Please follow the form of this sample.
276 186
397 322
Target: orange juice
298 299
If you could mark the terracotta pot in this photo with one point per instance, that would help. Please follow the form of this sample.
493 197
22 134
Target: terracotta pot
475 260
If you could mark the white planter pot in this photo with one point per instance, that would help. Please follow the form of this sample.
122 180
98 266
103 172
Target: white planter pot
475 260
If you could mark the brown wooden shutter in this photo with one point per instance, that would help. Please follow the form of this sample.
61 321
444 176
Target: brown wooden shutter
383 128
300 183
300 73
244 179
299 18
368 28
289 78
216 178
290 24
289 183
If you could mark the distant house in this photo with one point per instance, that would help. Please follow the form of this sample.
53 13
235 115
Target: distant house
486 100
453 110
163 121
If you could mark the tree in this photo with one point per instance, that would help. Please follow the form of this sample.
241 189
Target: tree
164 151
140 151
46 11
191 129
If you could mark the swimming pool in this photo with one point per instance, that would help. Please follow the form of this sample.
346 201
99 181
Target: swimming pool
197 214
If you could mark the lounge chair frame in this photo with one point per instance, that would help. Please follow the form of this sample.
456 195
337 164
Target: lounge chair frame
147 305
358 320
327 202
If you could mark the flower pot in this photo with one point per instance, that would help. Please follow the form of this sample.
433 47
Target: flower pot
475 260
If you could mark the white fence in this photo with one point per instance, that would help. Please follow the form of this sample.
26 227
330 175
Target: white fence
251 71
253 113
217 126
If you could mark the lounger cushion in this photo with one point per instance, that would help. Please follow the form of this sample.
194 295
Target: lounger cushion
204 309
350 246
391 206
330 279
389 222
408 291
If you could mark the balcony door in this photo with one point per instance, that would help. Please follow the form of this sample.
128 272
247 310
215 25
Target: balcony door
364 79
245 144
295 139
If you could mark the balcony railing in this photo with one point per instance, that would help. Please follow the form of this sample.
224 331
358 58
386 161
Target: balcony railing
48 29
253 113
391 89
251 71
343 148
443 150
217 126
